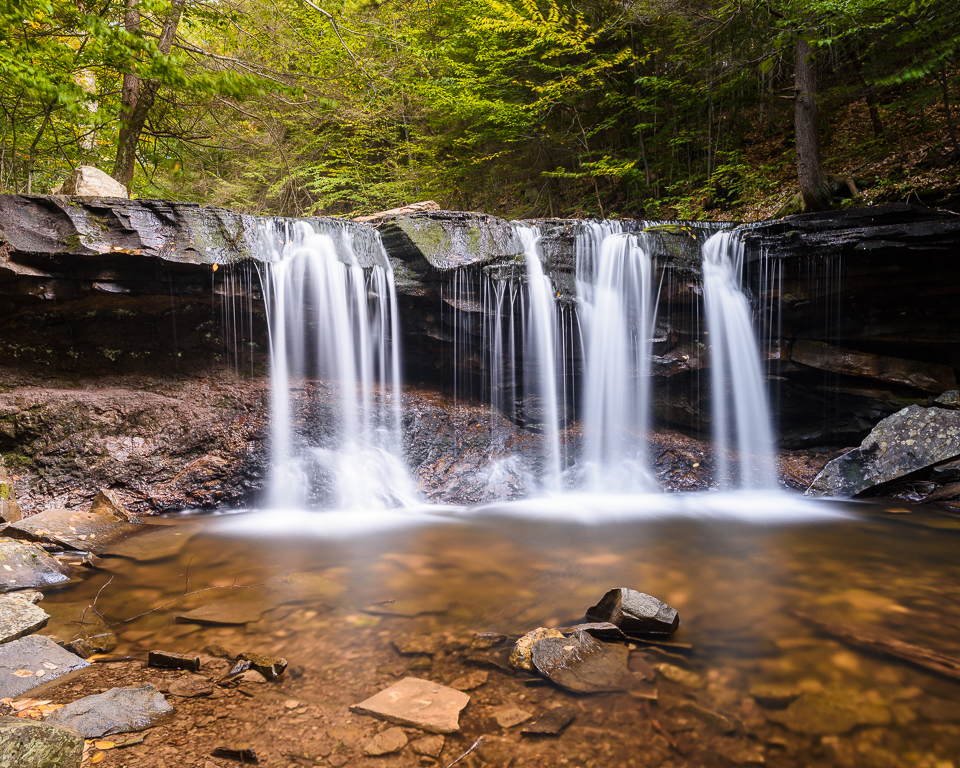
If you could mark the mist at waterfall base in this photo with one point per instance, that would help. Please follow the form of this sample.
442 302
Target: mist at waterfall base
335 362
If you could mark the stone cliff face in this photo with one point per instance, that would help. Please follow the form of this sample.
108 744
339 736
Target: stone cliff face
133 338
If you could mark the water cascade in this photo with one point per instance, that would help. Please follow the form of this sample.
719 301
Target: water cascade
332 311
617 307
740 409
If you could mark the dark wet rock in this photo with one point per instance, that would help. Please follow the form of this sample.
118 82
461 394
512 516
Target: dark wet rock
635 612
109 502
929 377
551 723
191 686
387 742
905 442
72 529
418 703
271 667
118 710
23 566
602 630
444 240
825 714
32 660
92 639
473 679
950 400
483 641
582 663
26 743
679 675
168 660
948 492
244 755
522 655
430 746
19 618
946 473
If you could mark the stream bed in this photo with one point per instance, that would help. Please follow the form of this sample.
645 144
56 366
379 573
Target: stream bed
355 602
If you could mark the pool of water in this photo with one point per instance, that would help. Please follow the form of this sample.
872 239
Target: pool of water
756 578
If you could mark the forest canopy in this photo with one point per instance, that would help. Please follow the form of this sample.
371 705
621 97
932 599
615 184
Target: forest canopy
658 108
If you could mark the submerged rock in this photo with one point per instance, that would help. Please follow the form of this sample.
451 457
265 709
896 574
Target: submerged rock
68 528
635 612
30 661
168 660
385 743
417 703
583 664
550 723
828 714
23 566
116 711
522 655
679 675
19 618
271 667
26 743
430 746
905 442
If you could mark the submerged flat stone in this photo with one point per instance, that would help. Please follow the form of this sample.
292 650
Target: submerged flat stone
25 743
118 710
30 661
19 618
635 612
153 542
24 566
231 610
70 529
417 703
583 664
829 714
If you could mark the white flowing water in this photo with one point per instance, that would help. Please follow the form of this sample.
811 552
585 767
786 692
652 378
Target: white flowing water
334 339
741 414
617 299
541 337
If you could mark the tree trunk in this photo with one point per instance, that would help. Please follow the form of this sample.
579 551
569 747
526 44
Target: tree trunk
814 185
138 96
945 82
875 120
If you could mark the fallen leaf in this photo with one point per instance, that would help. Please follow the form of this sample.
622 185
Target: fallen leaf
98 758
24 673
104 745
48 665
8 567
41 672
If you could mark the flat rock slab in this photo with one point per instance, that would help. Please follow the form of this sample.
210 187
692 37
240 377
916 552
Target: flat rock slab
153 542
909 440
24 566
70 529
26 743
302 587
583 664
417 703
829 714
241 609
19 618
30 661
118 710
635 612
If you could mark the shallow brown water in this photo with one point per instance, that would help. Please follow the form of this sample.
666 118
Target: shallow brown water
738 587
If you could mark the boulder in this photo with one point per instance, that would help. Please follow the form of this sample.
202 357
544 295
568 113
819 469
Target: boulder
521 656
87 181
19 618
25 566
30 661
442 241
582 663
26 743
108 502
635 612
928 377
905 442
118 710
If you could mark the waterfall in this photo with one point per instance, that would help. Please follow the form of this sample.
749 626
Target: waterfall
617 306
334 336
740 409
541 337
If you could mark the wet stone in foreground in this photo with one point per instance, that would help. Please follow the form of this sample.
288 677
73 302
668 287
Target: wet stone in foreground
118 710
23 566
30 661
635 612
583 664
19 618
28 744
417 703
